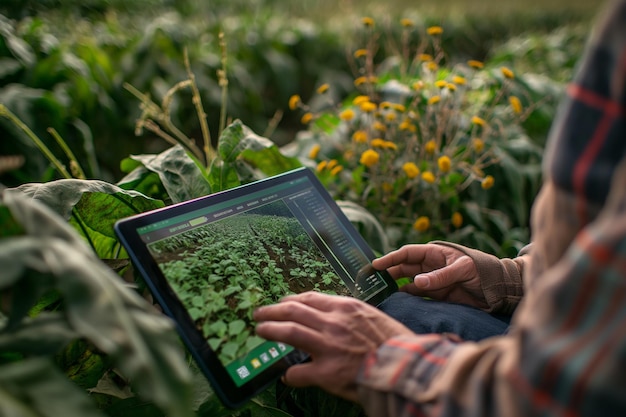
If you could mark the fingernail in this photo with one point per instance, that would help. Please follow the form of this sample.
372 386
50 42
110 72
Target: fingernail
421 282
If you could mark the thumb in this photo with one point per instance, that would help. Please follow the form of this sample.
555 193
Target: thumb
458 271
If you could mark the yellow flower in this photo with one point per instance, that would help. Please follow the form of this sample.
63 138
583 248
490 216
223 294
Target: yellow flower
321 166
315 150
516 104
440 83
444 163
507 72
428 176
451 87
336 170
331 164
399 107
457 219
367 21
487 182
478 145
379 126
347 115
478 121
390 117
407 125
359 81
372 78
457 79
425 57
360 53
385 105
306 118
369 158
434 30
417 85
368 107
294 101
360 99
378 143
475 64
411 170
422 224
360 136
434 100
432 66
323 88
407 23
430 147
390 145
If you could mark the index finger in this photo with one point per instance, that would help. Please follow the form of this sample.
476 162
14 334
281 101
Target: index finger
290 308
315 299
403 262
398 256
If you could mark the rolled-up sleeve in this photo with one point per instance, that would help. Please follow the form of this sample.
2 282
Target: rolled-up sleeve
565 353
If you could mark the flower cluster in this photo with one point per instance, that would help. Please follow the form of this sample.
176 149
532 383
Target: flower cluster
411 141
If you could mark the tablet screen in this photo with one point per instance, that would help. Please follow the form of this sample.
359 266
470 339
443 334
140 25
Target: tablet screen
224 255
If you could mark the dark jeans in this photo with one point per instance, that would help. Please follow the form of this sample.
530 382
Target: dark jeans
430 316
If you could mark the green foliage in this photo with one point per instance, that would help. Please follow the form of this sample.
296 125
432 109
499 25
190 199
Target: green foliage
422 141
96 305
67 323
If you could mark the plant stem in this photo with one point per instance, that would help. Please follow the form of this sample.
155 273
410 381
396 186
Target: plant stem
153 111
223 82
209 152
6 113
73 161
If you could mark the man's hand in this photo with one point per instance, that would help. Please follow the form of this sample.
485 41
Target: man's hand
338 332
440 272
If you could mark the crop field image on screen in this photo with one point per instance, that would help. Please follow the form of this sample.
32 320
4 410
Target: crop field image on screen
222 271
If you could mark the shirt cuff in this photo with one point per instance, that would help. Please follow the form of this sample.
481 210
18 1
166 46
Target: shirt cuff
501 279
403 368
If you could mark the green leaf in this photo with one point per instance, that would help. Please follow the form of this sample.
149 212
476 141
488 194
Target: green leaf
9 226
144 181
180 175
98 305
269 160
230 349
92 207
222 176
236 327
243 153
35 387
45 334
133 407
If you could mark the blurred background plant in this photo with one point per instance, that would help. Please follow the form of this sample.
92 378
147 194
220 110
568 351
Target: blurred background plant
422 141
81 76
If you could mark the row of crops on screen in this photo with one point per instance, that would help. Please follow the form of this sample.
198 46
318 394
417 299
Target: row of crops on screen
223 271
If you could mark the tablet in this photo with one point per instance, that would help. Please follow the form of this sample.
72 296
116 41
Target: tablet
209 262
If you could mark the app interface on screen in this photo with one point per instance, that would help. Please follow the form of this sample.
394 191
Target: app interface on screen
228 259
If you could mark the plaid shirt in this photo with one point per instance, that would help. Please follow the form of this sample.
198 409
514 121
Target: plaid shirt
565 354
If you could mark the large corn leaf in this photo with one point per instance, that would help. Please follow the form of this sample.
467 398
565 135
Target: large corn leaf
180 175
48 255
92 207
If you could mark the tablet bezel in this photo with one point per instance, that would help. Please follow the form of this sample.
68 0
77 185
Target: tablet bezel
231 395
